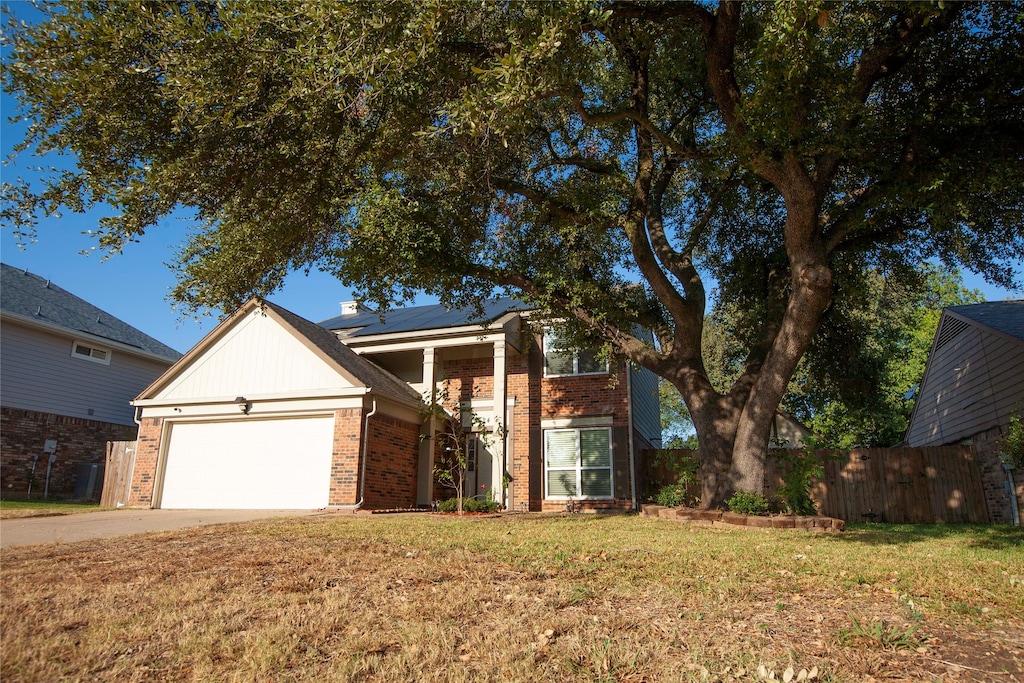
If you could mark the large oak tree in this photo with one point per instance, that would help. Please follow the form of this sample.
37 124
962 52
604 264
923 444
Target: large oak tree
599 159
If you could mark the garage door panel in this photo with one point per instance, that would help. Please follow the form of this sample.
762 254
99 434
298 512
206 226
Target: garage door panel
249 464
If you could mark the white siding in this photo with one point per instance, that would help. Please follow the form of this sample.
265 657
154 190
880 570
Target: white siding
256 357
39 373
972 384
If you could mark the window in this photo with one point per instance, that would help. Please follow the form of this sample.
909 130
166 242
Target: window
96 355
578 463
560 359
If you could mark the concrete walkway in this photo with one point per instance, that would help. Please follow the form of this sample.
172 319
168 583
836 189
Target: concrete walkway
107 524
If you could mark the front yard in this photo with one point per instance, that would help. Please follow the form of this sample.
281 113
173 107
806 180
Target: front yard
517 598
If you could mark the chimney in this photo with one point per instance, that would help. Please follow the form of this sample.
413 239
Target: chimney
349 307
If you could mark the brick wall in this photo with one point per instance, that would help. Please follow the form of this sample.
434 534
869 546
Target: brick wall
524 488
993 477
22 435
585 395
348 430
392 464
469 378
147 453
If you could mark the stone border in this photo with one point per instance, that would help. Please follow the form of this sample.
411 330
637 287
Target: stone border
733 519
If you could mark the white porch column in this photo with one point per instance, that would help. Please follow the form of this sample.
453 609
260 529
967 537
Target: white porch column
425 484
500 416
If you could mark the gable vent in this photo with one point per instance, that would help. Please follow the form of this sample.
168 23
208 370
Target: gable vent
950 329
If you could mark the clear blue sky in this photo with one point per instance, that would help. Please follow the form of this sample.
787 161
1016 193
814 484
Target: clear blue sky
134 285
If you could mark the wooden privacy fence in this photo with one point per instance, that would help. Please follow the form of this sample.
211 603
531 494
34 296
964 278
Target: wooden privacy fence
899 485
117 479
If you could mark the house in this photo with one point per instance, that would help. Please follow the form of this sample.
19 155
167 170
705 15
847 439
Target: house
273 411
973 382
68 371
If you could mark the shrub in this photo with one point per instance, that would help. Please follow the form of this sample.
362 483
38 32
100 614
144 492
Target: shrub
748 503
801 467
672 496
468 505
1012 445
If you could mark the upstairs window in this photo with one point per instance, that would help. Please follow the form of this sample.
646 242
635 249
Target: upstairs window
578 463
91 353
561 359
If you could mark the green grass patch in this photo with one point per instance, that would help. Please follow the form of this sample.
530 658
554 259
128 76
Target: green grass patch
10 509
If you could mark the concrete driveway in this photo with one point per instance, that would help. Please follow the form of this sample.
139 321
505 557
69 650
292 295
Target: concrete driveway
107 524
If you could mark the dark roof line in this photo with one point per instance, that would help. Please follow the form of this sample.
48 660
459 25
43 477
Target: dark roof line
28 295
1004 316
421 318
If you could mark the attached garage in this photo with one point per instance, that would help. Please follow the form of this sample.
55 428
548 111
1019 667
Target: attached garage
270 411
254 464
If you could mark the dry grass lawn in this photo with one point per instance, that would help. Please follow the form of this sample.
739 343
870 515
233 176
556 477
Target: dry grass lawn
516 598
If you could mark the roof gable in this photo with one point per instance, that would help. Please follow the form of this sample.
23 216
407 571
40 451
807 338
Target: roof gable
263 349
37 300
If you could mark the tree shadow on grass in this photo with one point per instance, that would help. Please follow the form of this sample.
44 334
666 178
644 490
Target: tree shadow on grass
984 536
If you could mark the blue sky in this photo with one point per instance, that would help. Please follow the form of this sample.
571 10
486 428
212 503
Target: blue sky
134 285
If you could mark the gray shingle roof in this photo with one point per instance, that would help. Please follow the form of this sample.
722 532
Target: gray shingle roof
1005 316
420 318
365 370
25 294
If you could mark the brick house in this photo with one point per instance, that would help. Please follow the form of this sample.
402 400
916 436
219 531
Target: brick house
556 426
68 372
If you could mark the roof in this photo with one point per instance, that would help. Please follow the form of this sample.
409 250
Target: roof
30 296
1005 316
321 341
363 369
420 318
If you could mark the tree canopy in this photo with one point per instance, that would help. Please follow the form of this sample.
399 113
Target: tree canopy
599 159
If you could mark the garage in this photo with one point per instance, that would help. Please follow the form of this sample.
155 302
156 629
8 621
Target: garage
262 464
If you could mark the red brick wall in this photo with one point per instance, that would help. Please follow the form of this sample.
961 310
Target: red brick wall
392 464
993 477
469 378
147 453
525 491
22 435
585 395
537 398
348 430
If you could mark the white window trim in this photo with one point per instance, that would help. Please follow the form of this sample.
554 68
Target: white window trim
75 346
579 466
575 361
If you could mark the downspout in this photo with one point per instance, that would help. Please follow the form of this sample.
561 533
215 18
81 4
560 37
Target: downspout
364 448
629 414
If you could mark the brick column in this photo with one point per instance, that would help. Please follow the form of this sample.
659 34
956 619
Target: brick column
345 465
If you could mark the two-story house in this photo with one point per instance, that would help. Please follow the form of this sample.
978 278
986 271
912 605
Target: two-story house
234 423
68 372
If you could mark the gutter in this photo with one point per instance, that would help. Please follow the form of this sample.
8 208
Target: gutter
362 466
629 437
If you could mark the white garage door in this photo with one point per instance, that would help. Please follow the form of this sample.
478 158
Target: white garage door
249 464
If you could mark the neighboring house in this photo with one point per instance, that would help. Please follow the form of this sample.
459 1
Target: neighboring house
269 396
68 372
973 382
788 432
